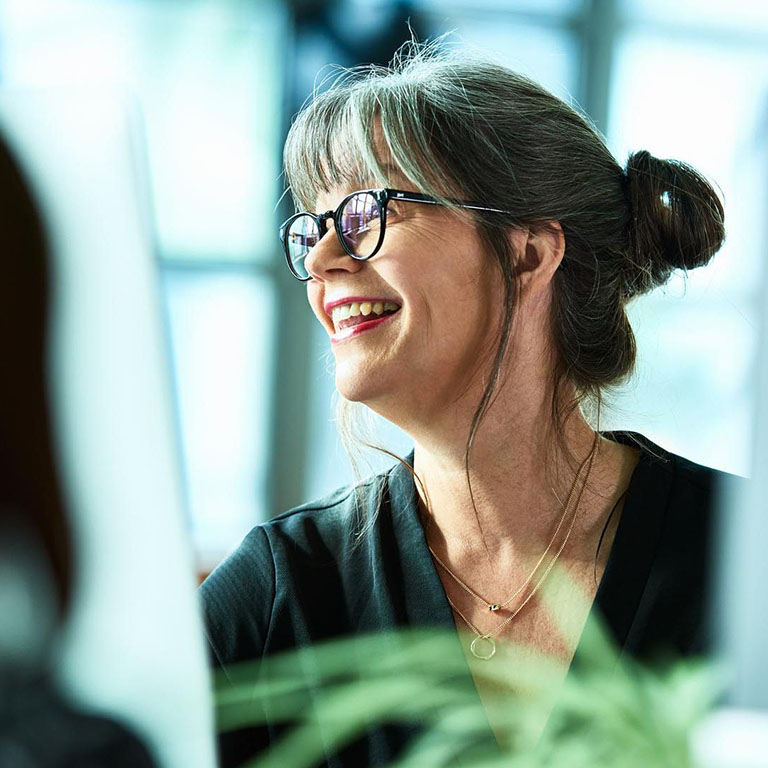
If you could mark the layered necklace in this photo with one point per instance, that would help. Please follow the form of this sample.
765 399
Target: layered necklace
483 646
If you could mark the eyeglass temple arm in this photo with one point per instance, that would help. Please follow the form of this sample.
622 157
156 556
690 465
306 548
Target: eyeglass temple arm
417 197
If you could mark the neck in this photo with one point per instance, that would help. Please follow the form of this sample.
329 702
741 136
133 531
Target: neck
520 478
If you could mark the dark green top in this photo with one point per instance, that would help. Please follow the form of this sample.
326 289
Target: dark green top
298 579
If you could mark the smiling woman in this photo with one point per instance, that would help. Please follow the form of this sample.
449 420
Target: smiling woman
474 292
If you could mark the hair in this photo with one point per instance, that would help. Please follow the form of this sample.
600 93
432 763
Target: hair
30 497
455 126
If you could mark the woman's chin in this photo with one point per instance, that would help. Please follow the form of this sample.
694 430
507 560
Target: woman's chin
357 391
362 384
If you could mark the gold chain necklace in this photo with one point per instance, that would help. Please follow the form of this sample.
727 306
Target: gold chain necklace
476 646
498 606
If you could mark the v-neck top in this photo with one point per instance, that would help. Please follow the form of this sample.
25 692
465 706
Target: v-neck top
305 576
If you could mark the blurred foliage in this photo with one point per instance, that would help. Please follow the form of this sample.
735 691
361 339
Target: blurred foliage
610 710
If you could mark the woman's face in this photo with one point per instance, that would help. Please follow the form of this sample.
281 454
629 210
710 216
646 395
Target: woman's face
448 294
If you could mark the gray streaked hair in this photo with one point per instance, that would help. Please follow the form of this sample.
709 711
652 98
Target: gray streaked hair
457 126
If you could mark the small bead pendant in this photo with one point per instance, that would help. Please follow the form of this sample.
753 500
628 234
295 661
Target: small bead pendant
494 607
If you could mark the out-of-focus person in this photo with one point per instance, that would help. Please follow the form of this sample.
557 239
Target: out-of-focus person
39 726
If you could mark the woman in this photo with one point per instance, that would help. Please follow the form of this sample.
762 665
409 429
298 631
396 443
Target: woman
470 245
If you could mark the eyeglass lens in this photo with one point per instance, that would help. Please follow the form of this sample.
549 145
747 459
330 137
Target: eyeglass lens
359 225
302 236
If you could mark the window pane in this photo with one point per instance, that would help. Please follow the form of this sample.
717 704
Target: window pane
208 78
704 104
691 391
489 7
547 54
221 331
750 15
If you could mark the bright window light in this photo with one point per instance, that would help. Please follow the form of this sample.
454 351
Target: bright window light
207 76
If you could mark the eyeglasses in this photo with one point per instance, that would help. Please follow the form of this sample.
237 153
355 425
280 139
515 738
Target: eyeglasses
360 221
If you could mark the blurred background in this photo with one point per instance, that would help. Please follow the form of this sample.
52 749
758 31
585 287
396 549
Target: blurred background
217 82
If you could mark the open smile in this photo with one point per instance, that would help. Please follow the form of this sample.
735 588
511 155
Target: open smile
356 317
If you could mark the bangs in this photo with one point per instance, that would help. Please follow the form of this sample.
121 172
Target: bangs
368 130
328 147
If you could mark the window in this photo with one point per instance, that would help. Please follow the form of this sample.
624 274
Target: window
208 79
705 101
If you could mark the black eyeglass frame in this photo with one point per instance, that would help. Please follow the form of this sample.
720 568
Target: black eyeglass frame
382 197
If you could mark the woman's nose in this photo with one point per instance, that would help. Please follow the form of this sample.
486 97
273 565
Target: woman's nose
328 256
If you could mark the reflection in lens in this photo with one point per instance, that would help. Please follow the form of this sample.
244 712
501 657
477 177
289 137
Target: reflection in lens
302 235
360 224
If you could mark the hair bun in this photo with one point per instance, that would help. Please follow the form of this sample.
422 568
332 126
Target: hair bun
677 220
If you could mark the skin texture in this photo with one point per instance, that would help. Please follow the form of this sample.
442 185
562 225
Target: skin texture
425 370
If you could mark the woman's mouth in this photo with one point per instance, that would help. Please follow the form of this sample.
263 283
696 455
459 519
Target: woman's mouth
360 316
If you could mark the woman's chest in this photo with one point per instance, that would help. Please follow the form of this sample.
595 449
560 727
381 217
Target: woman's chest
545 620
519 662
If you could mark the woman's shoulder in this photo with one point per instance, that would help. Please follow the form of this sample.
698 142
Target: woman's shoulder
302 544
331 515
331 519
330 511
684 477
663 558
296 567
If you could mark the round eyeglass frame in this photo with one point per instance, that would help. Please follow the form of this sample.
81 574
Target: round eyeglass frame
382 197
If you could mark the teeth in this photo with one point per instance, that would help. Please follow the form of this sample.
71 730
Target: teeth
363 308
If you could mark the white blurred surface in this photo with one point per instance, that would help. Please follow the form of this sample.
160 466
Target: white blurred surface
731 738
222 329
134 647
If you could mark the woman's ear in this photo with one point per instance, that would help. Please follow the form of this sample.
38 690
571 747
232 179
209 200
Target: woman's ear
540 256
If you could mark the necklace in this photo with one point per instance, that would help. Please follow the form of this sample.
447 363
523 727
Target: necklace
484 645
493 607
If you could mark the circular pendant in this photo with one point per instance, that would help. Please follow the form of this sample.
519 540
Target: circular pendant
494 607
483 647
